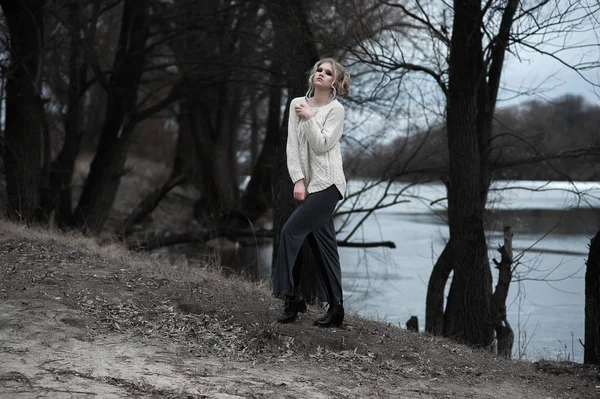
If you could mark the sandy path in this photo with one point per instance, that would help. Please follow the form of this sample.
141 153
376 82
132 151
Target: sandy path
49 350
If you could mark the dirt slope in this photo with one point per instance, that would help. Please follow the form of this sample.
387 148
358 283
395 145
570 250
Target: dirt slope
80 320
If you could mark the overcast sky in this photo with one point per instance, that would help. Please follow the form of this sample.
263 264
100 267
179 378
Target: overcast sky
549 80
548 76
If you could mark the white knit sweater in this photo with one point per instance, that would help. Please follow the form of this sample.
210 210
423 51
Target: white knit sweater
313 147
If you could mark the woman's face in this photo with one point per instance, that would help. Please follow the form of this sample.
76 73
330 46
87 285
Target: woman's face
324 76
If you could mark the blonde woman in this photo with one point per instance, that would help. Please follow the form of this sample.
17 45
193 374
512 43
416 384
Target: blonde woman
314 159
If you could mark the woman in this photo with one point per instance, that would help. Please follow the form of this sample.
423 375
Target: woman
314 159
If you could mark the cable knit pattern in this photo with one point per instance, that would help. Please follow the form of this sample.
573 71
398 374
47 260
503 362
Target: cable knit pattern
313 147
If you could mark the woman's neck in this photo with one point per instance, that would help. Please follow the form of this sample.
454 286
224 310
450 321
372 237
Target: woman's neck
321 97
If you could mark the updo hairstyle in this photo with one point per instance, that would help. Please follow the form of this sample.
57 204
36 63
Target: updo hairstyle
341 80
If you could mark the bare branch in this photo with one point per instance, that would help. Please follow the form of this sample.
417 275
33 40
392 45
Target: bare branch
426 21
499 46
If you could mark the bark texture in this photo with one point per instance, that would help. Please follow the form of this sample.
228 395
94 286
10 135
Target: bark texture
468 313
504 334
59 197
472 90
107 167
591 354
258 197
213 132
24 132
434 303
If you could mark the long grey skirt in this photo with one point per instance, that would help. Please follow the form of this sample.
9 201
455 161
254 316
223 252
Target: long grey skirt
312 219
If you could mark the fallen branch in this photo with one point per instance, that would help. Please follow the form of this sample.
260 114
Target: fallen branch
348 244
201 236
148 204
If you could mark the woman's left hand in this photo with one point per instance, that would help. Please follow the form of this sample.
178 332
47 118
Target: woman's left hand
304 111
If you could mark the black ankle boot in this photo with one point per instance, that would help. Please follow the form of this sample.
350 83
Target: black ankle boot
293 305
334 316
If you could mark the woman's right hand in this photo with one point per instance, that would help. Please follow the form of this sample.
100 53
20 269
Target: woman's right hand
300 190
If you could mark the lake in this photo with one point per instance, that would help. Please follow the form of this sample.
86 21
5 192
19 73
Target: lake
552 225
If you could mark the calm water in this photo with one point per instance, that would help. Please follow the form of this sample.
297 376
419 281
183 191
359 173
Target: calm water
546 299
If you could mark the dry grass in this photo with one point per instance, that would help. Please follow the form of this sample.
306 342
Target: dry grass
160 263
208 313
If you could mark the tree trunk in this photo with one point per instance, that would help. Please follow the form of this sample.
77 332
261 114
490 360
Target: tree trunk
214 140
231 125
504 333
258 197
24 134
468 313
290 23
472 95
434 304
254 137
60 198
591 353
103 181
185 152
488 95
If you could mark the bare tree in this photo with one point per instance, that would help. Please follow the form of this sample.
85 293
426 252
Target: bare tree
25 137
106 170
460 48
58 193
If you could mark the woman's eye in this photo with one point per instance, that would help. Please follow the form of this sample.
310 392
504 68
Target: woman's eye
328 73
319 70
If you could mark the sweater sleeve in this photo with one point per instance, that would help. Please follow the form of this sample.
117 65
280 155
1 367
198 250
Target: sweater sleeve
292 151
323 138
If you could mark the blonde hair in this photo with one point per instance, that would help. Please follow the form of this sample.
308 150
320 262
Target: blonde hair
341 79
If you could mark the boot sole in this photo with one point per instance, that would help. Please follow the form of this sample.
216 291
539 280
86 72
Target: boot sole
300 308
287 321
333 323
